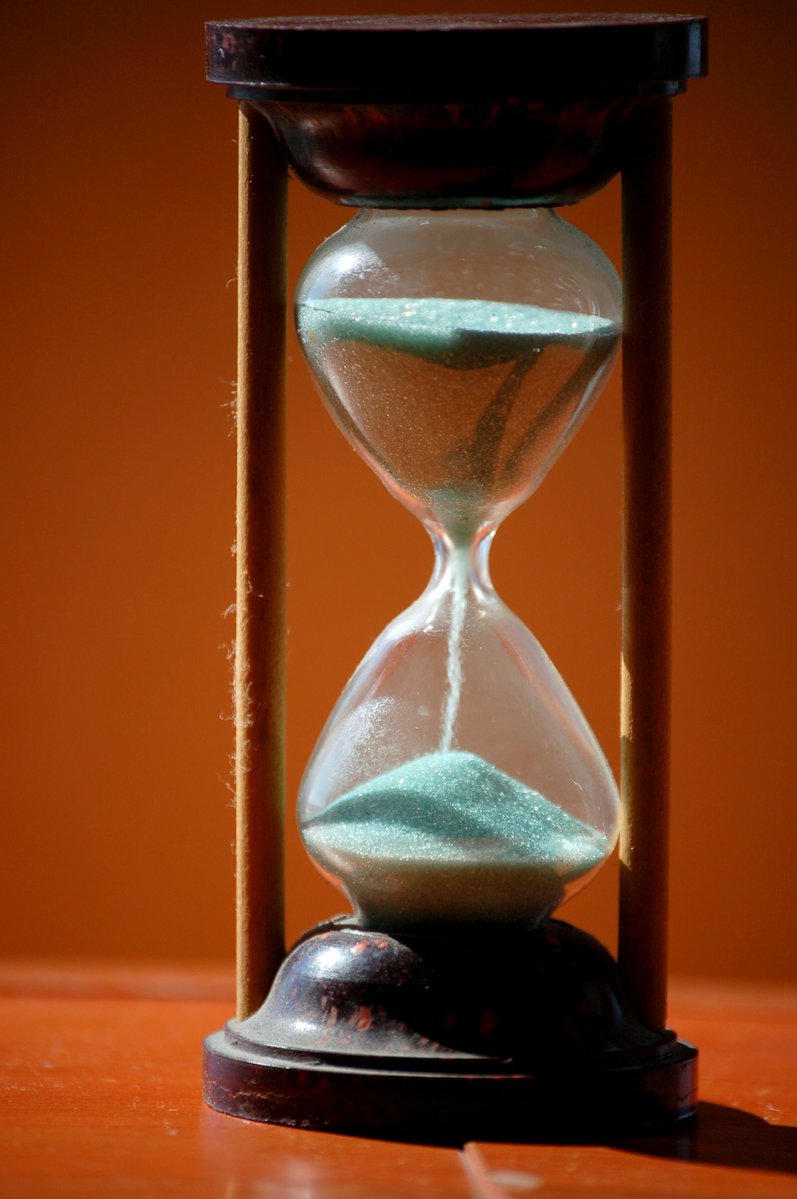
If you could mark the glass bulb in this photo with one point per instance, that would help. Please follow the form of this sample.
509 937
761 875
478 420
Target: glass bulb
456 780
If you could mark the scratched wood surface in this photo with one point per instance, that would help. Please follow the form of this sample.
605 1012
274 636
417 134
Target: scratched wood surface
99 1096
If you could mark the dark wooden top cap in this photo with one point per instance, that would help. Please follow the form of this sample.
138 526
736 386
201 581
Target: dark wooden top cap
452 58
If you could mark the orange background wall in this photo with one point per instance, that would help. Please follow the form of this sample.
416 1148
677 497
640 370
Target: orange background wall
119 330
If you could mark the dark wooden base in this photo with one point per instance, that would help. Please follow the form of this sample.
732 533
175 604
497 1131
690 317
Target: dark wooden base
511 1035
450 1108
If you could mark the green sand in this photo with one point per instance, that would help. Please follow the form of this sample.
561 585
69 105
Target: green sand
449 836
462 334
379 363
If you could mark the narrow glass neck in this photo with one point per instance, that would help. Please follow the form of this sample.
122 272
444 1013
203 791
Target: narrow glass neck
462 560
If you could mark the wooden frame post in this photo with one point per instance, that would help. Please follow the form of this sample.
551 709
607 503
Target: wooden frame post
260 575
645 702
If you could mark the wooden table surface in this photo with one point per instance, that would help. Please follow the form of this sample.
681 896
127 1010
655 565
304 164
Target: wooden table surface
99 1096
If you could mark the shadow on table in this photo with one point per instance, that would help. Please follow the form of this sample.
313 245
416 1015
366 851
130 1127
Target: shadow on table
725 1136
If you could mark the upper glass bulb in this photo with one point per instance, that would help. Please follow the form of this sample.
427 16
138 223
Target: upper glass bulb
456 779
459 351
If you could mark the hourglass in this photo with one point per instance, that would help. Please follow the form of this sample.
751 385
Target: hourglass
459 330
